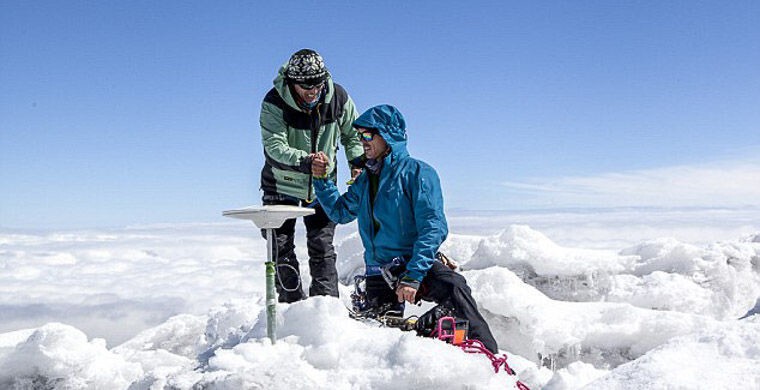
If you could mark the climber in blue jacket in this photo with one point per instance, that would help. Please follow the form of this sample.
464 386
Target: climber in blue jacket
399 206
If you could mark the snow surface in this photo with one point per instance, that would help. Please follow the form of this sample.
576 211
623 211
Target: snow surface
621 299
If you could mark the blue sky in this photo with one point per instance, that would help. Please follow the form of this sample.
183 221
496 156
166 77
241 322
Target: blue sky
117 113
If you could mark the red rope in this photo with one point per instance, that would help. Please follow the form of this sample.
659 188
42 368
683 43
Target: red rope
475 346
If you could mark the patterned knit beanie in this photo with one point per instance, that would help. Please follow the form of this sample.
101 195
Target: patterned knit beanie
306 65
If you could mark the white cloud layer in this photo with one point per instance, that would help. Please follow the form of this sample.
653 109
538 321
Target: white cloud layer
607 299
734 183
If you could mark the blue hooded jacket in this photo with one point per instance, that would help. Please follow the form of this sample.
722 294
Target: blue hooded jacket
408 205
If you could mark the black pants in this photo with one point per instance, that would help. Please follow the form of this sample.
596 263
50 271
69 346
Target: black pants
445 287
320 231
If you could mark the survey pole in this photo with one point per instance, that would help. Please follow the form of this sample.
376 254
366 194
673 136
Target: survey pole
269 218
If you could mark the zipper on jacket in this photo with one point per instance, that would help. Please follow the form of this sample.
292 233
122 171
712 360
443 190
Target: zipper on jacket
371 220
384 177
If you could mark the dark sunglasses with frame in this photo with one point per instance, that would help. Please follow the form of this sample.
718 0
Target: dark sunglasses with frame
366 134
309 86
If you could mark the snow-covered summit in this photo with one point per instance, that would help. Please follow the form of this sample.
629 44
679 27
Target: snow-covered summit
184 304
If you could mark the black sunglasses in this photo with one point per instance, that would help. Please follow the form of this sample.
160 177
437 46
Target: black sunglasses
309 87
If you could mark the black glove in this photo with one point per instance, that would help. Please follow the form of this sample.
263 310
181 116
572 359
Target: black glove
305 165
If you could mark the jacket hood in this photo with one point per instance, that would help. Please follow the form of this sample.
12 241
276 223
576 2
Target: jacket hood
281 85
388 122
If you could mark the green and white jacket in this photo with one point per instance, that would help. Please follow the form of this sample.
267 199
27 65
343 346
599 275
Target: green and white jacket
289 133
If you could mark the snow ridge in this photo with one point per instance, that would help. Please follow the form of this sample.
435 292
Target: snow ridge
651 315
